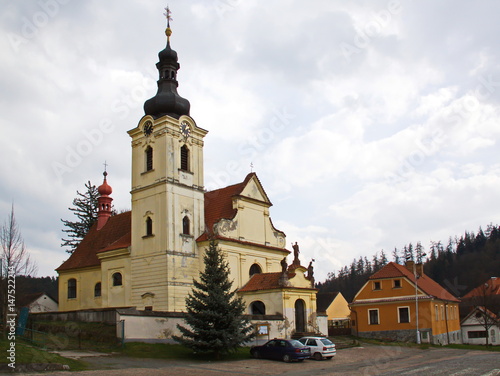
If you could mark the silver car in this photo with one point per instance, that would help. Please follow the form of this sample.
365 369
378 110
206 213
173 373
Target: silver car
321 347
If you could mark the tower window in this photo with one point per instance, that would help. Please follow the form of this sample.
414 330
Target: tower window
149 158
184 158
97 290
117 279
255 269
185 225
71 288
149 226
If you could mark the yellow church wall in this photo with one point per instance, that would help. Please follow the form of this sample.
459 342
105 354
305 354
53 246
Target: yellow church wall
272 299
116 296
85 283
149 281
299 280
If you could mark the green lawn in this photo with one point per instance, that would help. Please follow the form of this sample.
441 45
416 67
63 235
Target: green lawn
173 351
27 354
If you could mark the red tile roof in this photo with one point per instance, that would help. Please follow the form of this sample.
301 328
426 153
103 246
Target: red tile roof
115 234
492 288
267 281
425 283
219 203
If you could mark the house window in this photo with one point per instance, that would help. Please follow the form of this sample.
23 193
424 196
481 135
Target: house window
373 317
477 334
97 290
149 158
425 336
149 226
255 269
185 225
258 308
436 312
117 279
72 288
184 158
397 283
442 312
376 285
404 314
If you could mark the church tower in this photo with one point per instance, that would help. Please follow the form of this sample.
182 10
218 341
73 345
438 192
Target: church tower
167 194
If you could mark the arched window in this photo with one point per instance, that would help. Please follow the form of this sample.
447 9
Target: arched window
97 290
185 225
184 158
71 288
258 308
149 226
149 158
255 269
117 279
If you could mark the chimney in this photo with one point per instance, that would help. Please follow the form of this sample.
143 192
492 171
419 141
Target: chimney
420 269
409 265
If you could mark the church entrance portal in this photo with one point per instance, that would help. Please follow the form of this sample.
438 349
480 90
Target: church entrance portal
300 316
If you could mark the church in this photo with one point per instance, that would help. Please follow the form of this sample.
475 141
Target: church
141 264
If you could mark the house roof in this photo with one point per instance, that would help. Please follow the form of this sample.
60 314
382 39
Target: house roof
425 283
490 287
324 299
27 299
484 310
114 234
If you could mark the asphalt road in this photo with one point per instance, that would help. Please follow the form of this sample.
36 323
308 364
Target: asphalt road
366 361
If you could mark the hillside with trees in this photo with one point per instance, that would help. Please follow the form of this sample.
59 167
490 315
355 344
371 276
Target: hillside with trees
459 265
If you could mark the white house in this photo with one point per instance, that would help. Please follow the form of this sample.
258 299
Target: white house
473 328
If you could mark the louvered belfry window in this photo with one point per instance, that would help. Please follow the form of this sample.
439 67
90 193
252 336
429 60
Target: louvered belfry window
184 158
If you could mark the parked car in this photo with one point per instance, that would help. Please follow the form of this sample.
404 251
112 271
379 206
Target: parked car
281 349
321 348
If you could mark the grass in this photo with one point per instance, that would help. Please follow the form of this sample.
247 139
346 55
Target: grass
426 346
27 354
173 351
474 347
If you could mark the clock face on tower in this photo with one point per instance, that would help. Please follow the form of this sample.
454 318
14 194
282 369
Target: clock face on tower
185 129
148 128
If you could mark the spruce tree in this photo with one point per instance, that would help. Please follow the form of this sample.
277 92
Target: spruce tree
214 313
86 211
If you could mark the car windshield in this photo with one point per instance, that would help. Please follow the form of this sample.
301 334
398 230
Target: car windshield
326 341
296 343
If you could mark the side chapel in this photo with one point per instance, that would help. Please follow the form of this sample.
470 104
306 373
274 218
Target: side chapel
142 263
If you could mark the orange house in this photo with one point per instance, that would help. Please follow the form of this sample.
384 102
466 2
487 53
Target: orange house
386 307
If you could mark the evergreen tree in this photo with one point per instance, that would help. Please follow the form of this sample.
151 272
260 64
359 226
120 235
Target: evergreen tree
86 211
214 313
383 259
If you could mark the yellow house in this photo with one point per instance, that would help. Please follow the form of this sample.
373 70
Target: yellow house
386 307
146 259
336 308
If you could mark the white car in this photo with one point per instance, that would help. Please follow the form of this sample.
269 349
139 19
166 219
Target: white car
321 348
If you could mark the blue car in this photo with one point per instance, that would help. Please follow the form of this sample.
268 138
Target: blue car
281 349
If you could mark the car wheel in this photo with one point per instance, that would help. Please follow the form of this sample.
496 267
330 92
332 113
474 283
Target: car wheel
300 360
256 355
286 358
318 356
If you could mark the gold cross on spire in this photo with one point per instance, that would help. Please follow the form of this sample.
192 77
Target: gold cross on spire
168 16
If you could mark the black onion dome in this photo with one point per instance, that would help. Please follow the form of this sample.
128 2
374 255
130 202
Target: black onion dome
167 101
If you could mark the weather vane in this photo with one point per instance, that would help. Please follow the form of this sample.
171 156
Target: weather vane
251 166
105 168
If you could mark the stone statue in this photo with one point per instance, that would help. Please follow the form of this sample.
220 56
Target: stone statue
284 265
295 252
310 270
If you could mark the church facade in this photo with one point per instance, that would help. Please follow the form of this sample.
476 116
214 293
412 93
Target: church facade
142 262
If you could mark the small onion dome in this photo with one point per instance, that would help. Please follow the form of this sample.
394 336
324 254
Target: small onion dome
105 189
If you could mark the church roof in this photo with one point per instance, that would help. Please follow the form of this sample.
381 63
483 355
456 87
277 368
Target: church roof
263 281
114 234
425 283
219 203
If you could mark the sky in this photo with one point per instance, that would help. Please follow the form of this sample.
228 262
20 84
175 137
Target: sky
371 124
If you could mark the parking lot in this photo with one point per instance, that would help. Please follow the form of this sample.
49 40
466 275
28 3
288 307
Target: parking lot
365 360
